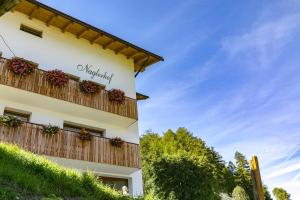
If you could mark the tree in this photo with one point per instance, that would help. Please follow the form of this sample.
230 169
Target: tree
180 178
182 143
239 194
242 174
281 194
267 194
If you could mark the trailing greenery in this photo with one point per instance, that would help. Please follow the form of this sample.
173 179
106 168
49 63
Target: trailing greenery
281 194
117 142
25 176
50 129
10 121
176 164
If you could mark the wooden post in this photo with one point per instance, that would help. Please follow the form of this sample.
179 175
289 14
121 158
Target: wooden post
257 183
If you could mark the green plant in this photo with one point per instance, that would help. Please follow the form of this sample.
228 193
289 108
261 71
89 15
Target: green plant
239 194
281 194
10 121
50 129
117 142
52 197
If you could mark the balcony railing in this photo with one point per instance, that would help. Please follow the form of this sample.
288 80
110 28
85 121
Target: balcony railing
37 82
67 144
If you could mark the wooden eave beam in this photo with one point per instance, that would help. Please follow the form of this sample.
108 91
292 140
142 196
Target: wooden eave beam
96 38
51 19
134 54
67 26
105 46
82 33
33 12
121 49
142 59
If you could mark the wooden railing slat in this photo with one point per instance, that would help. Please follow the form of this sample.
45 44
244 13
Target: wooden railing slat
37 83
66 144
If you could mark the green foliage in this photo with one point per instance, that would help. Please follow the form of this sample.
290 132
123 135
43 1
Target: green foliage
179 177
242 174
281 194
267 194
10 121
50 129
239 194
182 143
24 175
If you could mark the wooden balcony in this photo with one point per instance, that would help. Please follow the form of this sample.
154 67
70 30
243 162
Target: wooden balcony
67 144
37 82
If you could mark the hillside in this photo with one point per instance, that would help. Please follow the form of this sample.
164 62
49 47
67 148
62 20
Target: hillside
25 176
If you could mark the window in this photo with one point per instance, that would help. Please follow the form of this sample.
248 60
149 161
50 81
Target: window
116 183
20 115
77 128
31 30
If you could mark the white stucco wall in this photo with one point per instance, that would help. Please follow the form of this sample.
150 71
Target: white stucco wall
137 183
57 50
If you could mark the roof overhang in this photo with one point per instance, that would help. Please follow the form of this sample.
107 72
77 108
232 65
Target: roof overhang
140 96
52 17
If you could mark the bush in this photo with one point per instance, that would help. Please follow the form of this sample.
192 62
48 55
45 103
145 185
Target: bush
239 194
179 177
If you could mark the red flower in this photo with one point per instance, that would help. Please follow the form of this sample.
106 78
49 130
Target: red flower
57 77
21 67
89 87
116 96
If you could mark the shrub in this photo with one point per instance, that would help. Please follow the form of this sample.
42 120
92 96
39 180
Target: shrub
50 129
21 67
117 142
179 177
239 194
57 77
10 121
89 87
116 96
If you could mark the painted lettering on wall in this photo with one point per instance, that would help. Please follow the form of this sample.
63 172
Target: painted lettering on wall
89 69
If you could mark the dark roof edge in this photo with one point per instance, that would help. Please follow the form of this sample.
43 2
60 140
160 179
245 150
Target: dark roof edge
37 3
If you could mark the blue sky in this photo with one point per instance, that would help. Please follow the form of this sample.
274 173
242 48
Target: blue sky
231 75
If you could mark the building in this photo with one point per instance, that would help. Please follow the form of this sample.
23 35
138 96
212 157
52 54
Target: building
46 39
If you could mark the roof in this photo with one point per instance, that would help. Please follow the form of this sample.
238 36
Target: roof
52 17
140 96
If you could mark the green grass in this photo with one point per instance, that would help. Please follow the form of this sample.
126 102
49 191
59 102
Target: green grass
25 176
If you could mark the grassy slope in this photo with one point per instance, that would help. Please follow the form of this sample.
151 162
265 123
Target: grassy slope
24 175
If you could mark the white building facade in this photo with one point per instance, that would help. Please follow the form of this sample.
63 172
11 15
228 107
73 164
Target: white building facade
53 40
